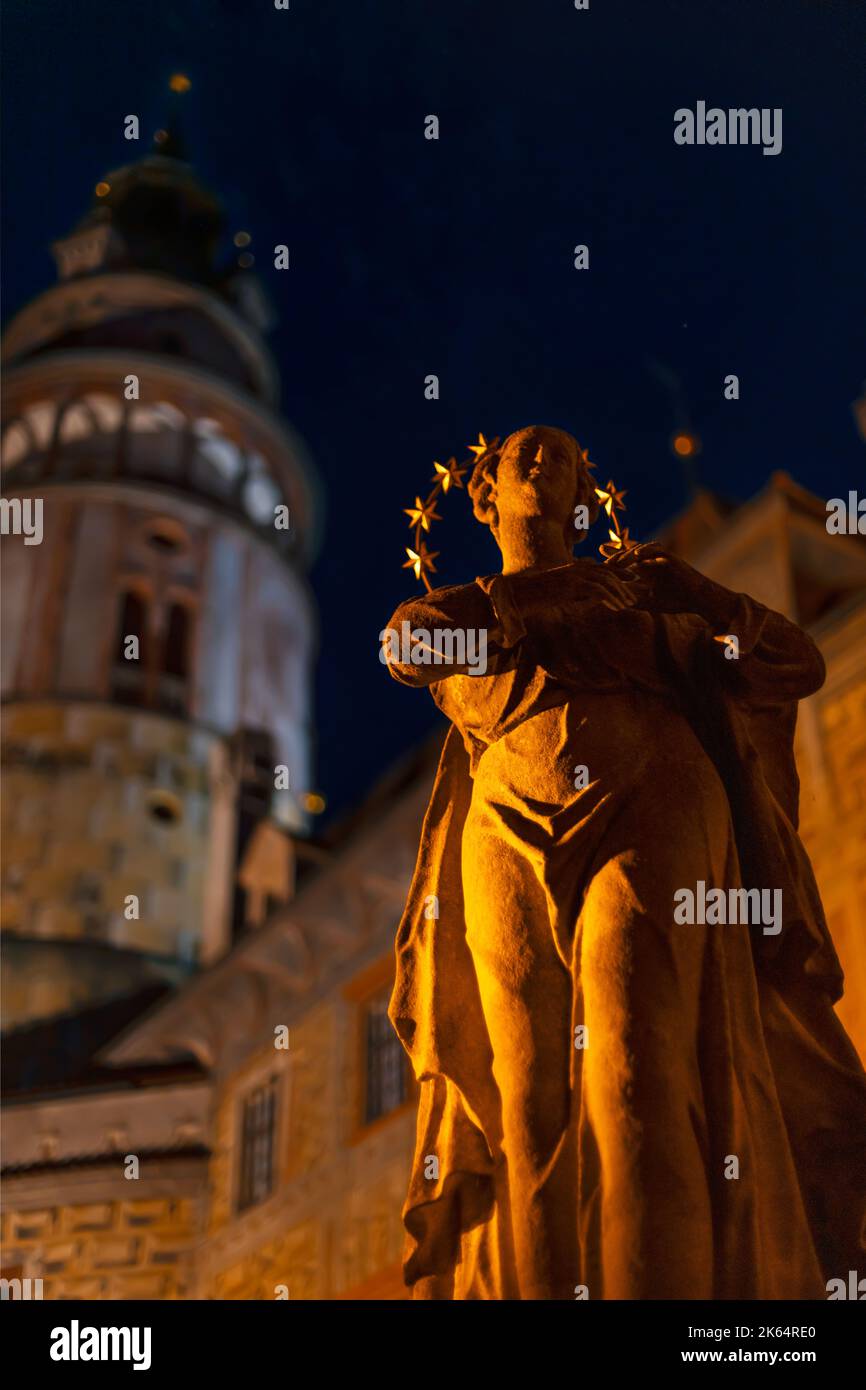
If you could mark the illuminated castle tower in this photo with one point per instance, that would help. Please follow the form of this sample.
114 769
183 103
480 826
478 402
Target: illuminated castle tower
140 412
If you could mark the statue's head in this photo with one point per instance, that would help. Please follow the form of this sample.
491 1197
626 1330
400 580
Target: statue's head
537 471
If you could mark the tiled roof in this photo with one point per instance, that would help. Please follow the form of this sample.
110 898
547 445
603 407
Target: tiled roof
57 1054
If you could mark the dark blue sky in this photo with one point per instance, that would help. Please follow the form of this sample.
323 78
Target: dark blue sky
455 257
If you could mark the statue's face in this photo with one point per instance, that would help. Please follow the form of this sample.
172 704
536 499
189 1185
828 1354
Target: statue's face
535 477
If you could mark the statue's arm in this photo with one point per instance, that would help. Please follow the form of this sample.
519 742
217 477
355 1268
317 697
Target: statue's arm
777 661
503 607
420 623
773 660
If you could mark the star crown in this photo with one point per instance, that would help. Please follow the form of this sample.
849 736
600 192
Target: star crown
451 474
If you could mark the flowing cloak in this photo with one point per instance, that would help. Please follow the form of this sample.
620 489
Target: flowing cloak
744 714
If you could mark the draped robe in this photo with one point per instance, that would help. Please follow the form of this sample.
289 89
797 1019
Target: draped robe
618 1105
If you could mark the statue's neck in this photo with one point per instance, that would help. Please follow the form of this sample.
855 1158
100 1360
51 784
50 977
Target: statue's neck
531 543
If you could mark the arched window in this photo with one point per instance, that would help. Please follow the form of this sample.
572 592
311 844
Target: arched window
80 449
77 422
176 654
129 663
17 443
176 658
154 440
152 657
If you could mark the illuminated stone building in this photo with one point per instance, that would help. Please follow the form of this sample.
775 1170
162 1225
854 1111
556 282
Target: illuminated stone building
248 1133
777 548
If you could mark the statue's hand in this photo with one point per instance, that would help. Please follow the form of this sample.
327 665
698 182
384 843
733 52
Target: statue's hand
541 593
670 579
673 586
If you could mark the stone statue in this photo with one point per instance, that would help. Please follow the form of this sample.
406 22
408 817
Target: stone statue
614 978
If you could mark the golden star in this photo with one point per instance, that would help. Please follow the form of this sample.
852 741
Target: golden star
616 543
420 559
480 448
423 513
448 473
611 497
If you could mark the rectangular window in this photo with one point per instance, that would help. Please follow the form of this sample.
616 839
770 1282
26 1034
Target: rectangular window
386 1065
258 1139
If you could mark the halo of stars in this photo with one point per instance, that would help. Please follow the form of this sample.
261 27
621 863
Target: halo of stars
611 500
451 474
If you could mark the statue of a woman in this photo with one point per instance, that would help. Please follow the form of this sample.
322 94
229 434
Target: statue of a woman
621 1096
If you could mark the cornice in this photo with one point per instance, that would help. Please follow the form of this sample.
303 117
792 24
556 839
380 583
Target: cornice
197 391
90 299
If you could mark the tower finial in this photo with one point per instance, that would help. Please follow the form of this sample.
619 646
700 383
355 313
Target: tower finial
169 140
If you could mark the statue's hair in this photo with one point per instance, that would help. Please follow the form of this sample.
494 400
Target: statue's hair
483 479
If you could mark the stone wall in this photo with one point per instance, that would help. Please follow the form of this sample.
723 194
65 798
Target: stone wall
102 1249
103 804
332 1227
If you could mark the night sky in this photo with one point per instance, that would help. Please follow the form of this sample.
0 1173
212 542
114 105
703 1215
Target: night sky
455 257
